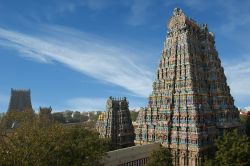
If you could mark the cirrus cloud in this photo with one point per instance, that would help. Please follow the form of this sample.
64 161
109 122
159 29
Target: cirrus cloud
82 52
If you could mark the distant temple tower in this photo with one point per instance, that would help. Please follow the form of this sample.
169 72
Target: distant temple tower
116 123
45 113
20 100
190 104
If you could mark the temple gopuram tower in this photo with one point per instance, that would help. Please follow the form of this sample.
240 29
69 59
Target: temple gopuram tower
20 100
116 123
20 108
190 104
45 114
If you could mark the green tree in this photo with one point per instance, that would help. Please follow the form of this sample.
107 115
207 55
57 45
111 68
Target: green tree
161 157
247 125
232 150
94 115
134 115
1 116
243 119
33 143
210 162
78 117
68 116
58 117
14 118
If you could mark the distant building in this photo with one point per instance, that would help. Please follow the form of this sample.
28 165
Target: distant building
20 100
116 123
244 113
247 109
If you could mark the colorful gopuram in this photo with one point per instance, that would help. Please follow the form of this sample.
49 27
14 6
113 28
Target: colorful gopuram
116 123
190 104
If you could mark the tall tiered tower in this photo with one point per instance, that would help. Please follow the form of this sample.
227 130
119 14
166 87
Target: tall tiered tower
20 100
190 104
116 123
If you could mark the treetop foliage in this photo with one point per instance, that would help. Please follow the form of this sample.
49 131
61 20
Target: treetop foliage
232 150
34 142
161 157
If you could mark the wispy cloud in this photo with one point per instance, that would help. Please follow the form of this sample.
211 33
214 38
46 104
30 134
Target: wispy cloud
234 15
67 7
4 99
238 76
247 108
238 73
71 6
87 104
52 10
85 53
139 12
199 4
96 4
95 103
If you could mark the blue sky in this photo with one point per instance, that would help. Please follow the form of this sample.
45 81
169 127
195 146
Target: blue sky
74 54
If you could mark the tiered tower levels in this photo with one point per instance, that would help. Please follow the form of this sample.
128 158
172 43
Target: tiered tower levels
116 123
20 100
190 103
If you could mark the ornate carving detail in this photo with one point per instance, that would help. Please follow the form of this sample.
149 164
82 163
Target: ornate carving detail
177 21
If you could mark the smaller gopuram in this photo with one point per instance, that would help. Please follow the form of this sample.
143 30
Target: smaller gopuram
100 125
45 113
20 100
115 123
20 108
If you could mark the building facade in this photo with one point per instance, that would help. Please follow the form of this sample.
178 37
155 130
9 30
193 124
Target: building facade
116 123
190 104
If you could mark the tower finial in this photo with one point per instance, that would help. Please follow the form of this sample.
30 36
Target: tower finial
177 11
